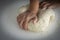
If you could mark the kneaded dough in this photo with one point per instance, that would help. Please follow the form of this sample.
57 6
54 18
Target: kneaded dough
45 16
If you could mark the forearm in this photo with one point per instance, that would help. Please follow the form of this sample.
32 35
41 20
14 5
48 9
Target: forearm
34 6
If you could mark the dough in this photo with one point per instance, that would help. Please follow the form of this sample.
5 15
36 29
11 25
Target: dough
45 16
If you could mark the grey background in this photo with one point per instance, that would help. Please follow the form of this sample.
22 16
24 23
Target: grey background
3 36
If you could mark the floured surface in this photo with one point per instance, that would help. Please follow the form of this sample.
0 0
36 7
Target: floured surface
45 17
11 27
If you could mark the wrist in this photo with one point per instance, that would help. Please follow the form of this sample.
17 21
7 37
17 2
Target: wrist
34 6
33 12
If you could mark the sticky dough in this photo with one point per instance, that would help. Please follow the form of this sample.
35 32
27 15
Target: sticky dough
45 16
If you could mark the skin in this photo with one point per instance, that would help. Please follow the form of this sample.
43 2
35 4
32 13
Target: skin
50 3
31 14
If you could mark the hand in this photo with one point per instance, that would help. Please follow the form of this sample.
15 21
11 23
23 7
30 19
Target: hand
24 18
46 5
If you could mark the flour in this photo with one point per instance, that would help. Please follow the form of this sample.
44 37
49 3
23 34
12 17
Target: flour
45 16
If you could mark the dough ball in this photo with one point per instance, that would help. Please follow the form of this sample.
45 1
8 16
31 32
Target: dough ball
45 17
23 9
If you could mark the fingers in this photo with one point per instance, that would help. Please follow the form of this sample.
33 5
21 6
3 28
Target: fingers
35 19
42 4
51 6
18 20
21 22
46 5
25 23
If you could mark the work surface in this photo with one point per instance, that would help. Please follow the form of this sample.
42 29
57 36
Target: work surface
10 30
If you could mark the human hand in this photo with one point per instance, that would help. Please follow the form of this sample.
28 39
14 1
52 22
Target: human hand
24 18
46 5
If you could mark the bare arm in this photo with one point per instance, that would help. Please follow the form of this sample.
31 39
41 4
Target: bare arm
31 14
34 6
